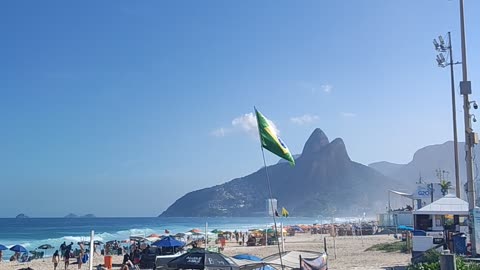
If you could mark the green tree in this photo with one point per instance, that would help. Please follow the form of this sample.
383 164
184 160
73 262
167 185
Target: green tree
445 186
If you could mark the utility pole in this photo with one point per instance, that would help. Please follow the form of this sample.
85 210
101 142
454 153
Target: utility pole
454 114
440 47
470 136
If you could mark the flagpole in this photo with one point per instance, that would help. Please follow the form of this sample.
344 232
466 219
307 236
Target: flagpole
271 205
92 247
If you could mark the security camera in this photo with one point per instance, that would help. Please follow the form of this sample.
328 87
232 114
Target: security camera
475 105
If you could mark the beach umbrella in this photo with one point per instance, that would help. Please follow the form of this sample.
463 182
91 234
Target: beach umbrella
2 247
168 242
247 257
202 259
297 229
45 246
216 231
405 228
153 235
18 248
96 243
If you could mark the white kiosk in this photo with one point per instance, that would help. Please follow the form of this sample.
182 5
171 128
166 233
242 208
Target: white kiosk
431 222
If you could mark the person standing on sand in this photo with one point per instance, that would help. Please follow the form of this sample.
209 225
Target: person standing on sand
79 259
1 255
66 258
62 249
55 260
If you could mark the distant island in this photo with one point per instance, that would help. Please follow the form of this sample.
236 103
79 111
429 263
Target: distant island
71 215
22 216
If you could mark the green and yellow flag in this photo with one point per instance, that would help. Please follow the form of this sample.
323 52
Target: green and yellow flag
270 139
284 212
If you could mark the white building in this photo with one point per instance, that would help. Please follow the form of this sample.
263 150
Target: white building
271 206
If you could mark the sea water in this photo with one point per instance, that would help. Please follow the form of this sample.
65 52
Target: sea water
33 232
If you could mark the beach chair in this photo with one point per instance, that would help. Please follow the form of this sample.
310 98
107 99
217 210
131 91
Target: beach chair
25 258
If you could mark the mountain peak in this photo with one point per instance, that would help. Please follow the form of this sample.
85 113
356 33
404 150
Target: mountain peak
315 142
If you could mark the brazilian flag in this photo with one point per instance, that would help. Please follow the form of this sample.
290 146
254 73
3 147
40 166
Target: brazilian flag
284 212
270 139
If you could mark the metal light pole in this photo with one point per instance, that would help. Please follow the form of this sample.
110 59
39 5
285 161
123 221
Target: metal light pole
440 46
470 136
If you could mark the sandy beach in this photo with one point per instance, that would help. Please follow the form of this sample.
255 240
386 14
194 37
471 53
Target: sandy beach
349 253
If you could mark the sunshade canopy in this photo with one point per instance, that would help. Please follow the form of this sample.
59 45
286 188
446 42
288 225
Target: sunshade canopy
168 242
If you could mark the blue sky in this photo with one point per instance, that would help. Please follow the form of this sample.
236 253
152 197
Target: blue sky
147 100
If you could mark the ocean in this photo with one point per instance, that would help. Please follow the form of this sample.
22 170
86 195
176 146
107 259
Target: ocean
33 232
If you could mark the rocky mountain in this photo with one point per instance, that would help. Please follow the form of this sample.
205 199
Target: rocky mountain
22 216
425 162
387 168
324 180
71 215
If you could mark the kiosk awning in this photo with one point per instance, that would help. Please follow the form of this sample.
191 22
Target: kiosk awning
448 205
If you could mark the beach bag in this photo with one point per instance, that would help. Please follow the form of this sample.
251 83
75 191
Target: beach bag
85 258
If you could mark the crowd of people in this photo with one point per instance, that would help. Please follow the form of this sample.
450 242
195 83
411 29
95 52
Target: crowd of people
67 253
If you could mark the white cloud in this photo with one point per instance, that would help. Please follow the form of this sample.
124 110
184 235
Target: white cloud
327 88
220 132
304 119
246 124
308 86
348 114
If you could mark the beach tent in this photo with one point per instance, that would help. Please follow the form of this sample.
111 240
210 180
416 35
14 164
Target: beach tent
2 247
168 242
248 262
291 258
448 205
202 259
255 265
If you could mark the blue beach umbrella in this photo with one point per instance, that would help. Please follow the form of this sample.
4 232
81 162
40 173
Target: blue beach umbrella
2 247
247 257
18 248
